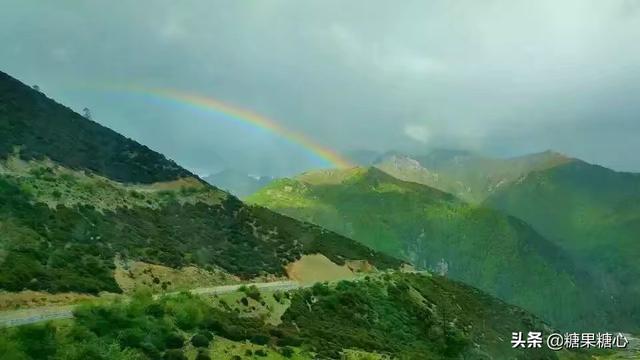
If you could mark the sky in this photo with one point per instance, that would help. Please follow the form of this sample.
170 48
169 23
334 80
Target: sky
501 77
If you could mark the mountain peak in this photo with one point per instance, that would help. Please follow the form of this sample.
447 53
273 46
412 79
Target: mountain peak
330 176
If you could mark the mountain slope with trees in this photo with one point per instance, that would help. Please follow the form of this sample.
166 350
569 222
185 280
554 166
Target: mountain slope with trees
399 316
434 230
75 195
593 214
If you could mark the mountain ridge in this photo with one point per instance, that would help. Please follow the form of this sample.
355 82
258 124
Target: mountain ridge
38 127
77 195
435 230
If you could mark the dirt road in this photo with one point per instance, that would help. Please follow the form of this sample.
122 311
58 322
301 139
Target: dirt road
36 315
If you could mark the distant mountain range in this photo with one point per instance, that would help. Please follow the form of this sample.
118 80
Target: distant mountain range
237 183
467 175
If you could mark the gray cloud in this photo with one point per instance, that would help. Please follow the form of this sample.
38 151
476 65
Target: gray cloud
498 76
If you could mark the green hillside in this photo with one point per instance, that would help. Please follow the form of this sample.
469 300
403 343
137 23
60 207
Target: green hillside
399 316
497 253
591 212
75 195
469 176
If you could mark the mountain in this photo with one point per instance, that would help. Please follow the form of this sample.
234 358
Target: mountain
467 175
75 196
592 213
77 201
434 230
390 316
237 183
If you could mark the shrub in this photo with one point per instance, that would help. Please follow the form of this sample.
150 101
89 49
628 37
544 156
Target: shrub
203 355
174 354
174 341
252 292
260 339
261 353
278 296
286 352
200 340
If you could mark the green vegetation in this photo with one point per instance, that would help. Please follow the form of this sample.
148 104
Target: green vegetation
73 248
55 185
401 315
593 214
485 248
65 213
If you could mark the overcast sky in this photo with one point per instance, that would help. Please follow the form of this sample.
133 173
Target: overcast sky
502 77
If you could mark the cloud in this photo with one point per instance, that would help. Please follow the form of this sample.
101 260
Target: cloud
504 77
360 52
417 132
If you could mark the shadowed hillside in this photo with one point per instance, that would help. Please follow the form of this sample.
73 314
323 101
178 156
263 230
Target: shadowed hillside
42 128
593 214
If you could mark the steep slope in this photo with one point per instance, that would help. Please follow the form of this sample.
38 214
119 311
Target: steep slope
75 195
237 183
434 230
469 176
399 316
591 212
42 128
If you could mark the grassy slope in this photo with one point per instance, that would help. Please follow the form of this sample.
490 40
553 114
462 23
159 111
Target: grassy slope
497 253
403 315
74 194
591 212
71 248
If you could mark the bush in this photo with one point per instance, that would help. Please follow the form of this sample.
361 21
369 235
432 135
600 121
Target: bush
203 355
174 341
252 292
278 296
174 354
286 352
199 340
260 339
261 353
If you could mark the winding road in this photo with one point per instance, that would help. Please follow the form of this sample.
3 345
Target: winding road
40 314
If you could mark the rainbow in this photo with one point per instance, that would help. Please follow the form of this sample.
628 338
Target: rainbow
248 117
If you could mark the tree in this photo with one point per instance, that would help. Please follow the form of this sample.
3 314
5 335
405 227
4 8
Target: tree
442 268
86 112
